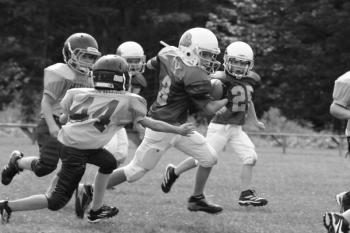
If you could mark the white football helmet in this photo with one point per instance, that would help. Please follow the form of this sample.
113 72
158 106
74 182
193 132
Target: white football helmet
134 55
200 47
238 59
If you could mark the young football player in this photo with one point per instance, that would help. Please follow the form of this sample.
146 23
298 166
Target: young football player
340 108
94 115
80 51
184 80
237 82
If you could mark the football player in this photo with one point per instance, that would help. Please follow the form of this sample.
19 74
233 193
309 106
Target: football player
340 108
237 82
94 115
184 80
80 51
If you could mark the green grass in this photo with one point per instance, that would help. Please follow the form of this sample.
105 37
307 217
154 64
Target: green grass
299 185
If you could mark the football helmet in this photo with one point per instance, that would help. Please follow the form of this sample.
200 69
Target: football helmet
111 72
80 51
238 59
200 47
134 55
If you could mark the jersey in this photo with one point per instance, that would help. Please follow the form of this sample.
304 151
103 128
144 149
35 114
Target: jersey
58 78
239 93
95 116
179 87
341 95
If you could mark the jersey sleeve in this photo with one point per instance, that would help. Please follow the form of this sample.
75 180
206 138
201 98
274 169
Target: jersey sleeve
138 108
138 80
341 93
57 80
67 101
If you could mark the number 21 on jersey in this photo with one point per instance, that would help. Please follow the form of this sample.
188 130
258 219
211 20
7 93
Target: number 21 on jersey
241 97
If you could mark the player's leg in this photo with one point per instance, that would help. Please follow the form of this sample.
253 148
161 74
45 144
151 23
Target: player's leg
216 138
119 145
106 163
73 166
243 146
336 222
343 200
196 146
45 164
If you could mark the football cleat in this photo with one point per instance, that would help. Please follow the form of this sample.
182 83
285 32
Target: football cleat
5 212
169 178
335 223
103 213
201 204
11 169
83 198
249 197
343 201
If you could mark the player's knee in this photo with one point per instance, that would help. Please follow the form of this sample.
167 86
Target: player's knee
56 201
250 160
210 160
108 165
134 173
41 169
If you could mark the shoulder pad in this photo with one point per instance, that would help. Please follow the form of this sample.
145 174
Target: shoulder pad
218 75
345 78
61 70
169 50
253 75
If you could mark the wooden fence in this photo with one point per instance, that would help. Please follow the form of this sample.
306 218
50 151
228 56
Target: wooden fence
280 138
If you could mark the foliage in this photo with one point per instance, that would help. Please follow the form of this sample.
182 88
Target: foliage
300 46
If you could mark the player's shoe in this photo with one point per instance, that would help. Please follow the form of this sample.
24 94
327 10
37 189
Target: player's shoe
11 169
5 212
103 213
169 178
249 197
335 223
83 198
343 201
201 204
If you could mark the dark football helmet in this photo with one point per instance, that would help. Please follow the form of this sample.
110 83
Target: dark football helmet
110 72
80 51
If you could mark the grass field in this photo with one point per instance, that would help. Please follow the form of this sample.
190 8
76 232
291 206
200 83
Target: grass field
299 185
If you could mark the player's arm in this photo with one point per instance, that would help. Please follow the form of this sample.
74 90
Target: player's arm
161 126
339 111
341 99
252 118
46 107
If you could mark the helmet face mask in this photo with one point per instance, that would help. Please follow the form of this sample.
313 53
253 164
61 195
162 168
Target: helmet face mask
80 52
134 55
199 47
238 59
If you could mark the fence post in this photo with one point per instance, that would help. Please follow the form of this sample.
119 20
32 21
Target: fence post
284 144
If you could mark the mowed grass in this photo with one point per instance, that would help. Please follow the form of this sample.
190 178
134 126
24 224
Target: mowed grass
299 185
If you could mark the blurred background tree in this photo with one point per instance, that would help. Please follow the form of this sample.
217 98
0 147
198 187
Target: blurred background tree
301 47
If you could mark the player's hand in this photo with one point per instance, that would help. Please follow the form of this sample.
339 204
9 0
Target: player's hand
54 130
221 110
187 128
260 125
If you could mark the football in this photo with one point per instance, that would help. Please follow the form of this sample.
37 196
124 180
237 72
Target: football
216 89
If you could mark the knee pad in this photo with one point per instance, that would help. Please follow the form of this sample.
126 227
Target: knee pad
134 172
56 201
41 169
109 164
210 160
251 159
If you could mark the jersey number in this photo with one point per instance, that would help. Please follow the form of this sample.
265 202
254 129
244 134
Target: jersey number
239 99
103 114
164 91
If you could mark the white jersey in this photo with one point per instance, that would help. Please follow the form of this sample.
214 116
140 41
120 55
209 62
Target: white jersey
341 95
95 116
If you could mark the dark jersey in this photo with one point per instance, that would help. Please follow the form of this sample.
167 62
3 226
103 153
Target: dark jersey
239 93
180 86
